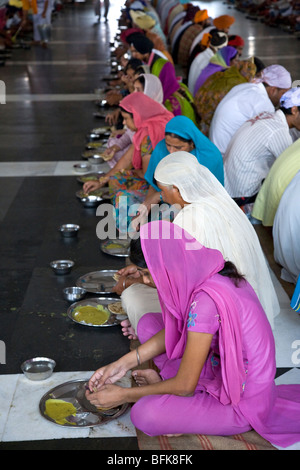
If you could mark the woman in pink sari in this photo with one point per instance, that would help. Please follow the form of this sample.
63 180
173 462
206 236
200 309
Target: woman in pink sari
212 344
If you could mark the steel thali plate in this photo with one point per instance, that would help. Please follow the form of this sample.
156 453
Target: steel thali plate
86 414
98 282
94 302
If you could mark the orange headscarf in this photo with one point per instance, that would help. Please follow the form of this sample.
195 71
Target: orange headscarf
200 16
224 21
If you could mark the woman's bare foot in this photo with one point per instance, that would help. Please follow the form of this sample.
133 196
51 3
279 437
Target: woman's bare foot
146 377
127 329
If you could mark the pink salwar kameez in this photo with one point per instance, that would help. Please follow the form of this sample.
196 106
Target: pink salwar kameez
236 391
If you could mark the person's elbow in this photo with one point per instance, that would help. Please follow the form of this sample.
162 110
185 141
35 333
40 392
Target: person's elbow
185 390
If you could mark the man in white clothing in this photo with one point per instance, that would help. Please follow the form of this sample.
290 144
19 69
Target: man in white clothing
247 100
255 146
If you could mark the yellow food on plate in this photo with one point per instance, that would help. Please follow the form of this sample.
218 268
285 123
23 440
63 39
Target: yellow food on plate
114 246
84 179
94 145
105 409
91 153
59 410
91 315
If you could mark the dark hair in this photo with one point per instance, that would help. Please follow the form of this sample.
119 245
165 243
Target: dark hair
124 111
141 79
133 64
231 271
259 64
288 110
140 70
137 257
136 254
175 136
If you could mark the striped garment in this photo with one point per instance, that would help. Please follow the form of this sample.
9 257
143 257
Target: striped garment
252 151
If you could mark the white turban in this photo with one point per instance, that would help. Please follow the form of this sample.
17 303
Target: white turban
275 75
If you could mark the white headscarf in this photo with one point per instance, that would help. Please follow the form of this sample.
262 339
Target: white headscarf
216 221
275 75
153 87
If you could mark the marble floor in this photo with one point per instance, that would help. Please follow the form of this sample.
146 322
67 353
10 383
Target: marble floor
50 105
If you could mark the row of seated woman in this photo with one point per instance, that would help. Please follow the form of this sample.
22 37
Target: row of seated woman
284 14
195 258
160 117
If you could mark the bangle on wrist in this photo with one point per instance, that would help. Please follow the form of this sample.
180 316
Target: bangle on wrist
124 283
138 357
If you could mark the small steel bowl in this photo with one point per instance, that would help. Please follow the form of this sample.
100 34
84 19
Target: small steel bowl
38 368
91 201
73 294
69 230
96 160
82 167
62 266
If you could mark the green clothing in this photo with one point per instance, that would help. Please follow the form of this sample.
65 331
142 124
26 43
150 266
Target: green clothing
177 97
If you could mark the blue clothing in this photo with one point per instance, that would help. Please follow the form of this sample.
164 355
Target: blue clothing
205 151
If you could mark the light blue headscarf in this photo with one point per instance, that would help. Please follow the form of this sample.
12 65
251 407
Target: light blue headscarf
205 151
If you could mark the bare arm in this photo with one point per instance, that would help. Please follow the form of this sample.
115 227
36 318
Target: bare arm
124 163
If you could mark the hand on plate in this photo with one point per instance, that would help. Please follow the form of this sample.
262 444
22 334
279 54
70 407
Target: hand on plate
113 97
109 396
106 375
94 184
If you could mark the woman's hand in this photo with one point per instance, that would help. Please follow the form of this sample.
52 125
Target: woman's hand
109 396
95 184
111 151
107 375
129 272
91 186
113 97
112 118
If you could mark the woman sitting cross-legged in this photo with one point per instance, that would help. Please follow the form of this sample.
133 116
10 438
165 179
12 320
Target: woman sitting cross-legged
213 346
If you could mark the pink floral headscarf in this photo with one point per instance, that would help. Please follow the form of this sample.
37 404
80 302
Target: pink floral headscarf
150 119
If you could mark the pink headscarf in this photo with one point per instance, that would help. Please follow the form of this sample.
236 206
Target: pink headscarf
150 119
181 267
